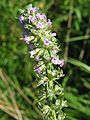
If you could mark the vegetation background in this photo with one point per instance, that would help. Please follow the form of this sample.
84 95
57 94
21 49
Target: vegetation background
71 22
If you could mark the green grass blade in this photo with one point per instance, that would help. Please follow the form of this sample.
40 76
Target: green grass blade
79 64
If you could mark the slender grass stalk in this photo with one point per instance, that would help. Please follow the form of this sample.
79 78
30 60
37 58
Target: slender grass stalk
79 38
69 24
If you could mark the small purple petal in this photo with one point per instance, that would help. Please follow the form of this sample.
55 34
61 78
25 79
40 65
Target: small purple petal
33 10
49 23
27 39
44 16
40 25
55 60
31 19
40 16
53 34
25 32
31 46
21 18
37 69
47 42
61 63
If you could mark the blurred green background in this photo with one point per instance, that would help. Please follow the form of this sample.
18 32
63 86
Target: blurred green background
71 22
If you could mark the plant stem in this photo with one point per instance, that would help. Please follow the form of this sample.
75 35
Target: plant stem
68 31
54 115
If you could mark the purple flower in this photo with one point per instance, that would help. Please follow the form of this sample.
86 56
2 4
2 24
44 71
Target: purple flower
40 25
40 16
49 23
53 34
30 18
56 61
37 69
44 16
31 46
33 19
61 63
27 39
21 18
33 10
47 42
25 32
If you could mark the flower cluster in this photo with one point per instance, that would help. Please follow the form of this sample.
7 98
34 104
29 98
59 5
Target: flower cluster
44 50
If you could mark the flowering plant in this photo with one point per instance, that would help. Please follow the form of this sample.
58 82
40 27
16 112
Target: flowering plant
44 50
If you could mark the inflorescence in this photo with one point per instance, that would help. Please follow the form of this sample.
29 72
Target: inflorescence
44 50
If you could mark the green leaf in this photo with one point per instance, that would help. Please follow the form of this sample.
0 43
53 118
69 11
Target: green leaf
77 25
78 14
79 64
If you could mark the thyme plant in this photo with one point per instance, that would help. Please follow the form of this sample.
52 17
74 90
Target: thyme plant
44 50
